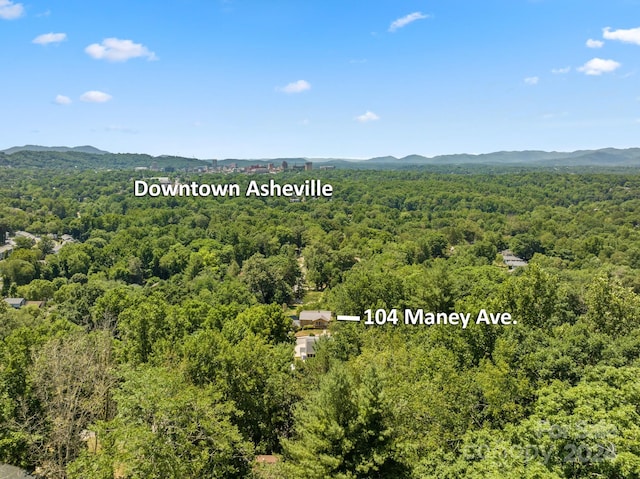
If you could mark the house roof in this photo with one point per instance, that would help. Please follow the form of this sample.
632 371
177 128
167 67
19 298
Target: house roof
27 235
304 340
13 301
512 260
314 315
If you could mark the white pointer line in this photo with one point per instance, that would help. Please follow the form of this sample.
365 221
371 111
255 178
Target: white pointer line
348 318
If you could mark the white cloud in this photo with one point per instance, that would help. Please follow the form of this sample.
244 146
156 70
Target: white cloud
62 100
531 80
10 10
594 43
296 87
406 20
598 66
95 96
116 50
561 71
631 35
47 38
368 116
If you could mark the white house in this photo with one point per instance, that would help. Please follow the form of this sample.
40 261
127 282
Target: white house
305 347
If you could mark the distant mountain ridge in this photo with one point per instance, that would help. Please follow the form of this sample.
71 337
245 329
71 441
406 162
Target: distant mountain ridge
61 149
88 157
604 156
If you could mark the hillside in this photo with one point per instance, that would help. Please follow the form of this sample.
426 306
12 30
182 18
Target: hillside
61 149
93 161
88 157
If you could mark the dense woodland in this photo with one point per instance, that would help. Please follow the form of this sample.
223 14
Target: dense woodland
78 160
165 349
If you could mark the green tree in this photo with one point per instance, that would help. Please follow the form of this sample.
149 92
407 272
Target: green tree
165 428
525 246
261 386
45 245
18 271
141 327
270 279
22 242
267 321
38 290
612 308
363 289
344 431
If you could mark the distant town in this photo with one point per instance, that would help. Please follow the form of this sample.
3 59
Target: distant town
212 166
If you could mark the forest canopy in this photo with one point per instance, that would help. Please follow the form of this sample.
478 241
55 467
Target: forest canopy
165 344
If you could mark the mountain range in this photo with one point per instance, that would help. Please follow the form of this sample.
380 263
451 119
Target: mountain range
61 149
89 157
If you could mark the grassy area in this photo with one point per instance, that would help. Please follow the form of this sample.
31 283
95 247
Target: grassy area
310 301
312 297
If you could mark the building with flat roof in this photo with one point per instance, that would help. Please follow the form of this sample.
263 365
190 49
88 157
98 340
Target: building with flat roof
305 346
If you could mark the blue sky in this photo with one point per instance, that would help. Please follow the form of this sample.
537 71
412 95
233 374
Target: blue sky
320 78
